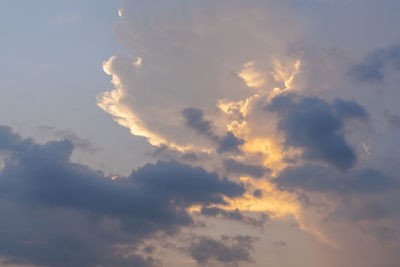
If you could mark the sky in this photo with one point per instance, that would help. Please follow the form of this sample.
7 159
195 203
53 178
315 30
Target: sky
200 133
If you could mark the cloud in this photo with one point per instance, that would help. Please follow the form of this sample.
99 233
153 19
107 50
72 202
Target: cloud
375 65
51 206
206 249
184 184
230 143
251 76
233 215
235 167
196 78
78 142
257 193
195 120
394 120
225 60
316 126
342 208
192 56
348 109
8 140
314 178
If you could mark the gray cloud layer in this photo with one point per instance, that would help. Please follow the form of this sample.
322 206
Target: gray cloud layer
257 171
322 179
194 118
59 213
316 126
375 65
207 249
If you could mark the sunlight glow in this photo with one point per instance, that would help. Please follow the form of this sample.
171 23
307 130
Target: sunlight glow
251 76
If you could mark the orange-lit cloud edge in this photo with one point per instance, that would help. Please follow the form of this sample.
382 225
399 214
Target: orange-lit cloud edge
279 205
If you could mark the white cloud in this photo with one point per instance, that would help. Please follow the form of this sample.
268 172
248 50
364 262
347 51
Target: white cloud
229 58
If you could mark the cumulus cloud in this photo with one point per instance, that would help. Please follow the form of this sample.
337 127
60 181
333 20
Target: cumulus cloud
192 56
241 88
376 64
322 179
230 143
251 76
194 118
206 249
58 213
316 126
233 166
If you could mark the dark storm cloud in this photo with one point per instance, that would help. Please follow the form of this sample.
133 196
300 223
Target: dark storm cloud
233 166
8 140
348 109
206 249
194 118
375 64
184 184
317 126
58 213
314 178
230 143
